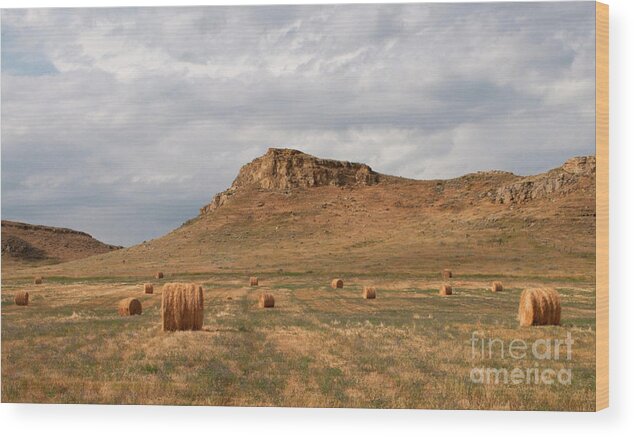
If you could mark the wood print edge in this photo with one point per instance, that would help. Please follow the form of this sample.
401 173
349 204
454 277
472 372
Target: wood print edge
602 205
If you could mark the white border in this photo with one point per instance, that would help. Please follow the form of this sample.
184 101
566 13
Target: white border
92 420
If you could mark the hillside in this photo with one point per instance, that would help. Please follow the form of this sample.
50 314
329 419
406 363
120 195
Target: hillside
25 245
296 222
288 211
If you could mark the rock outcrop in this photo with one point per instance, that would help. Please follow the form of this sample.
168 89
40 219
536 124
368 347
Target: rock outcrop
287 169
18 248
581 165
557 181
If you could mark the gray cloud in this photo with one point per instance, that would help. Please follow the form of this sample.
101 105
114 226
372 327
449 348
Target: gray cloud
123 122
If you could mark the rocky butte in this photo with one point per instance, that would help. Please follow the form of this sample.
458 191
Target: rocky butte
284 169
290 211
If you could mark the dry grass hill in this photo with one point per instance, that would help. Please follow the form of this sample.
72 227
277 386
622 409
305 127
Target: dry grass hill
297 222
26 245
288 211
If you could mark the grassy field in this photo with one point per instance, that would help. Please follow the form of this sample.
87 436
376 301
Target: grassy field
318 347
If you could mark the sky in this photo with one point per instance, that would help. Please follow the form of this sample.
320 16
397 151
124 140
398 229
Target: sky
123 122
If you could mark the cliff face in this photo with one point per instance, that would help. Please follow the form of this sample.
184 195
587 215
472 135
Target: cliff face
558 181
287 169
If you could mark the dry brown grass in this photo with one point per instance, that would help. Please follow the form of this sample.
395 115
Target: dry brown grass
37 280
539 306
129 307
148 288
266 300
337 283
496 286
182 307
369 292
317 347
253 281
22 298
159 275
445 290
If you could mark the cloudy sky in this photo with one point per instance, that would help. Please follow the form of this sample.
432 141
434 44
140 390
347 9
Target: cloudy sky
123 122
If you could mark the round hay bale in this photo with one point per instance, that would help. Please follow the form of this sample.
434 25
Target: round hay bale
129 307
37 280
253 281
369 293
445 290
148 288
447 274
496 286
159 275
337 283
539 306
22 298
551 306
266 300
182 307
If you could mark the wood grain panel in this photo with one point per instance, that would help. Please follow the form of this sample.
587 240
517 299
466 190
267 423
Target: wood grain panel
602 246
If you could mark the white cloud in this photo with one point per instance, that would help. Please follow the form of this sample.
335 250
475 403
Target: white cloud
110 114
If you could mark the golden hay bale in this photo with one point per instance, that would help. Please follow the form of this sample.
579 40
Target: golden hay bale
182 307
539 306
129 307
253 281
159 275
148 288
266 300
446 274
22 298
496 286
37 280
552 306
445 290
337 283
369 293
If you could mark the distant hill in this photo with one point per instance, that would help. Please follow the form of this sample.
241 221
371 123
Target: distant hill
288 211
26 244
